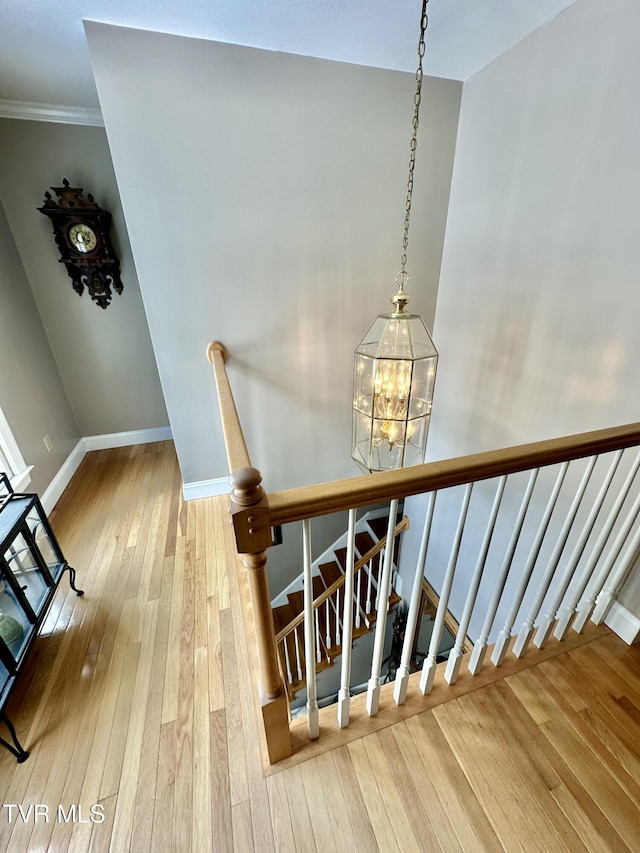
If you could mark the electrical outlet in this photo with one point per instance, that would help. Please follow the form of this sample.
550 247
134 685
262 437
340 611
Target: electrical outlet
47 443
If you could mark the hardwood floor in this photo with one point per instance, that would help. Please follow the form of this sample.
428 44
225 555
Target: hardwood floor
135 700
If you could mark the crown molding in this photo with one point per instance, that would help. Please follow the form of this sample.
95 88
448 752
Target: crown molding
58 114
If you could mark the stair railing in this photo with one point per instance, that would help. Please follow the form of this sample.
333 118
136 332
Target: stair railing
543 557
287 639
252 528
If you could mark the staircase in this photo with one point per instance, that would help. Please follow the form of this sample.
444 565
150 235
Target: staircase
328 577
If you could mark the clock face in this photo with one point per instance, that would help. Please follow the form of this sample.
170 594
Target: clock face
82 238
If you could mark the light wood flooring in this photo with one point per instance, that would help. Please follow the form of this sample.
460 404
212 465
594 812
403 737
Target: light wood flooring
135 698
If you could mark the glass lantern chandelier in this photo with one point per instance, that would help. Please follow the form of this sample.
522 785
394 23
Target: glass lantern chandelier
396 361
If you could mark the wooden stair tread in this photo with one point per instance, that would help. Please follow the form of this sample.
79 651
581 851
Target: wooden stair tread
330 572
296 602
282 616
341 557
364 543
296 599
379 526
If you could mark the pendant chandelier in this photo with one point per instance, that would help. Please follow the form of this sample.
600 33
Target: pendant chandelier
396 361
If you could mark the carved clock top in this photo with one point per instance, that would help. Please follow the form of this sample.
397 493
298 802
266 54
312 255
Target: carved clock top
70 198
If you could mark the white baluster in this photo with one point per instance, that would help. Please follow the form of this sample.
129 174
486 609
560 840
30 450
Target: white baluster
369 570
327 623
402 674
586 605
296 640
455 655
502 642
377 595
567 611
430 663
316 636
476 658
337 612
309 634
526 631
373 689
546 623
287 661
358 592
612 584
347 625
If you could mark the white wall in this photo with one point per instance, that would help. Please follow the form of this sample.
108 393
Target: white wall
264 197
538 309
31 392
537 319
104 357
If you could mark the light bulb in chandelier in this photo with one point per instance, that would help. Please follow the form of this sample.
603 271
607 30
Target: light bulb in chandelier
392 386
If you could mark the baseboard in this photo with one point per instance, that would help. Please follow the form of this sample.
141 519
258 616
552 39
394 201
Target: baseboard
205 489
124 439
190 491
623 623
56 487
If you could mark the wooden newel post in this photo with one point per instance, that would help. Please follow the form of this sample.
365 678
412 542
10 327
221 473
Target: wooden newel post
252 527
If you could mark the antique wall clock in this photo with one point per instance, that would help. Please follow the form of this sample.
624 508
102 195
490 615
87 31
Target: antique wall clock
81 230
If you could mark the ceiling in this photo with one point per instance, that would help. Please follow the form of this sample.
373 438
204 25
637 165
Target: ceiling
44 56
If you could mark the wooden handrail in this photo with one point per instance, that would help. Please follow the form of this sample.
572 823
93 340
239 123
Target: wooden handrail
450 621
324 498
359 564
237 453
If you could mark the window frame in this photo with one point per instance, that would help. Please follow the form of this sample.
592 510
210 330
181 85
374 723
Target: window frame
19 472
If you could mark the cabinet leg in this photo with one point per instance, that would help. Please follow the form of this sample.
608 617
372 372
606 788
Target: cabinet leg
72 581
16 748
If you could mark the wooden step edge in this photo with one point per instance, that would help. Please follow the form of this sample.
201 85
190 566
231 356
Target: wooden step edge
282 616
330 572
334 652
362 631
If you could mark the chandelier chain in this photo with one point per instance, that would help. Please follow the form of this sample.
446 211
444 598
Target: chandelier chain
403 276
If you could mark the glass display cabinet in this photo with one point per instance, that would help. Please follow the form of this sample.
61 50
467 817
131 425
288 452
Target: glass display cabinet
31 566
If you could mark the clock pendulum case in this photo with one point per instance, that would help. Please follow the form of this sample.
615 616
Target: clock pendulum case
81 230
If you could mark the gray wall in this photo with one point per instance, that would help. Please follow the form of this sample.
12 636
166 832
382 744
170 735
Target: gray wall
31 393
538 307
264 196
104 357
